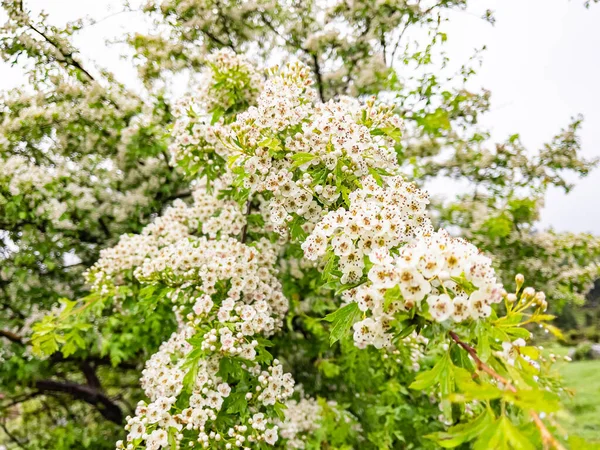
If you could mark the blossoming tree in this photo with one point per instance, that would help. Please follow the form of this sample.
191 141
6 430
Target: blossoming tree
303 294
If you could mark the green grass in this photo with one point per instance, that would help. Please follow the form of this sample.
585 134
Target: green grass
583 377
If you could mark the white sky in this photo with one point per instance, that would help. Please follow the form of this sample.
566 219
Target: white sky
542 66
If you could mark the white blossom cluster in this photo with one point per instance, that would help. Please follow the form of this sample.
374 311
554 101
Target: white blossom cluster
228 80
286 100
329 145
210 215
227 297
379 219
163 381
57 193
34 183
193 139
253 301
443 277
236 298
299 421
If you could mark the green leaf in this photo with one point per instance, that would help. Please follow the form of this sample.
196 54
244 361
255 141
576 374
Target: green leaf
172 438
217 114
513 435
406 331
517 332
329 369
279 409
341 321
391 295
427 379
301 158
464 283
237 403
297 233
229 369
191 363
462 433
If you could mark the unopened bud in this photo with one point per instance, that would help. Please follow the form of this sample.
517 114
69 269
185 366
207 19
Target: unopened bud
511 298
519 279
443 275
528 292
540 297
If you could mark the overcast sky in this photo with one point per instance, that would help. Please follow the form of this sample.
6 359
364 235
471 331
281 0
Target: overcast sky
542 66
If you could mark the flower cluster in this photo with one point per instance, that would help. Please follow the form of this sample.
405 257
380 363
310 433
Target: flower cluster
227 298
443 277
309 156
379 219
164 380
299 421
210 215
228 83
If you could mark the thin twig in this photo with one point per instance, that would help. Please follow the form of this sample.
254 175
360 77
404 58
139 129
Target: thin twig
68 57
547 438
11 436
245 229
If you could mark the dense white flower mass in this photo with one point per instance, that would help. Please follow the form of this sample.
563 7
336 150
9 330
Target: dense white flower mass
443 277
378 220
164 379
324 175
207 213
308 154
228 298
299 421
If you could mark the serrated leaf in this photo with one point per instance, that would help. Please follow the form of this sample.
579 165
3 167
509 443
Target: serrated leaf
427 379
341 321
462 433
237 403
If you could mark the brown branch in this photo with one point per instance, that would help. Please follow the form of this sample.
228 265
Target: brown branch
216 40
68 57
13 337
548 439
315 58
90 375
109 410
480 364
245 229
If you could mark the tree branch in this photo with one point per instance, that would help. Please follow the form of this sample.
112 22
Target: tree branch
13 337
68 57
315 59
109 410
548 439
245 229
90 375
11 436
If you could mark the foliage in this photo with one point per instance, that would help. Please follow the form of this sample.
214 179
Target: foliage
266 313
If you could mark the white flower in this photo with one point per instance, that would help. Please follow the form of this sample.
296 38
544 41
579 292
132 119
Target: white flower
271 436
440 307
